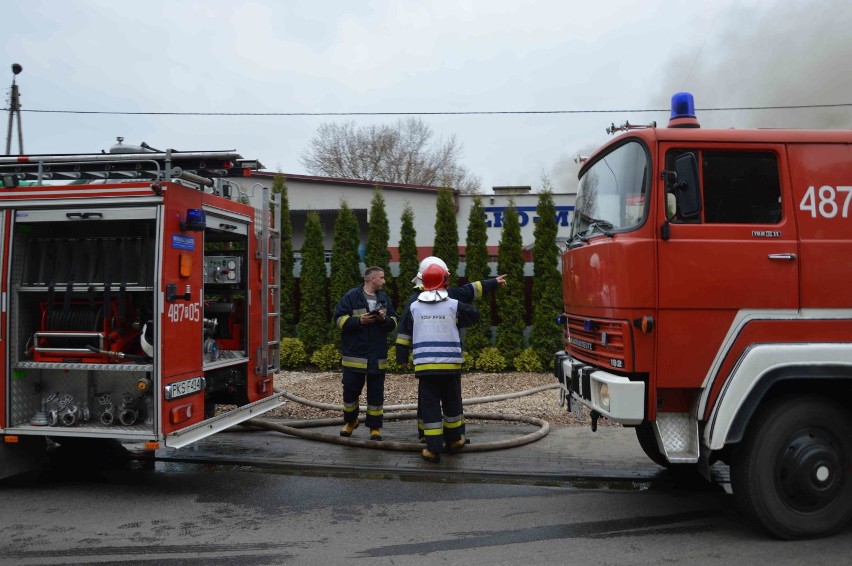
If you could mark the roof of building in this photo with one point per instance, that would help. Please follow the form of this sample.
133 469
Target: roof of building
349 182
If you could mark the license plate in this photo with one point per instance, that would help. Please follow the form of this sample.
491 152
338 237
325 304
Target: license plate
185 387
577 409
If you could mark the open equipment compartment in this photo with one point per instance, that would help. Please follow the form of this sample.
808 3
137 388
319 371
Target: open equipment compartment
82 286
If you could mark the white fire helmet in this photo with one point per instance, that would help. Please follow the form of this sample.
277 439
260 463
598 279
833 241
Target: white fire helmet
426 262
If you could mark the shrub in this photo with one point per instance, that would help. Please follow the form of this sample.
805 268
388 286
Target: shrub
292 354
528 361
395 367
468 361
326 357
490 359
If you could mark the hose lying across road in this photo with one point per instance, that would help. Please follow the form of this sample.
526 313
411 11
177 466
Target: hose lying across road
401 412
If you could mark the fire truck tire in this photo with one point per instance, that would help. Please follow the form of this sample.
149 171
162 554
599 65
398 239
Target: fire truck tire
790 475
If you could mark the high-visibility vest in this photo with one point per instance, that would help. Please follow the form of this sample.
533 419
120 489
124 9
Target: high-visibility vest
435 338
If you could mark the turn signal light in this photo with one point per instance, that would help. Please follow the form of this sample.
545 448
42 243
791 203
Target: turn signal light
180 414
645 324
185 265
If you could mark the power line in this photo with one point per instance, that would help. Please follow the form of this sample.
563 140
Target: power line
444 113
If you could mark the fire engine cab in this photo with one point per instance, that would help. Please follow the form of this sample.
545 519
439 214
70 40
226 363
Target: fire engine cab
708 305
139 299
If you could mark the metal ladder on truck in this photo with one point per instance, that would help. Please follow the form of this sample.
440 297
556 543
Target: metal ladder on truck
269 252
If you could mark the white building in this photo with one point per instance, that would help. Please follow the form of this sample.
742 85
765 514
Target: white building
323 195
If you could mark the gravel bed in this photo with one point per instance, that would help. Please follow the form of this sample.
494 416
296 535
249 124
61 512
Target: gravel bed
400 389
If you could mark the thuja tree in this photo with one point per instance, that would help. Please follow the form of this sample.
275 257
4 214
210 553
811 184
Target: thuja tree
447 233
378 235
546 337
287 283
408 262
345 261
314 325
510 301
477 336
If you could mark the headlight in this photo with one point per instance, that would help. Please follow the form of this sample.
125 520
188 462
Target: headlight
604 395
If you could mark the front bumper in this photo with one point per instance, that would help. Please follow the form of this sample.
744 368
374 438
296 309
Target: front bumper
612 396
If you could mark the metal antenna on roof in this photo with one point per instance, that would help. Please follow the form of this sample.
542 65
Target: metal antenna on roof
15 109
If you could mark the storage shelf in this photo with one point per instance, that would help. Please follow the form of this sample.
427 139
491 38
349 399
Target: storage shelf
227 358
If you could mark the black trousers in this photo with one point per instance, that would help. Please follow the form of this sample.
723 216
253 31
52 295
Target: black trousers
353 384
440 408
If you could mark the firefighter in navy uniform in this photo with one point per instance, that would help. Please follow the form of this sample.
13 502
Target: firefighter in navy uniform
467 293
433 322
365 316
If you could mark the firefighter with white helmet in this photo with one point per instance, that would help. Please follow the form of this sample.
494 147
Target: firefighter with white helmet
467 293
433 322
426 262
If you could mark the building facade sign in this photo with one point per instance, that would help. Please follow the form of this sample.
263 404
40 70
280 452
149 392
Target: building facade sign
526 214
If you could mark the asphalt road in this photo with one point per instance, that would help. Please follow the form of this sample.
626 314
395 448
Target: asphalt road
166 513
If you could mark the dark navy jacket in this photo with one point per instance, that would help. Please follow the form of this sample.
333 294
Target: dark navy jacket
364 347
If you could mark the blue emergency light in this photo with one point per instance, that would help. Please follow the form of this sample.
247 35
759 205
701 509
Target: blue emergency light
683 111
683 105
195 221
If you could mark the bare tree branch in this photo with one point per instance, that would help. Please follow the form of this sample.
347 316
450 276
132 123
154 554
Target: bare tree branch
397 153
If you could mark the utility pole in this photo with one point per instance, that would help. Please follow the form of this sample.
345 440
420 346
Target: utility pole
15 109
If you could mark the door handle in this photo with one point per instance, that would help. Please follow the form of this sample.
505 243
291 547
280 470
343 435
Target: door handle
783 257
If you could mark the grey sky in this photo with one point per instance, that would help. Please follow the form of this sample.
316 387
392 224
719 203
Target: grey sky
416 56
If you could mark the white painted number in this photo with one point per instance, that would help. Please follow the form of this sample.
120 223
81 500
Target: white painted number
825 201
180 312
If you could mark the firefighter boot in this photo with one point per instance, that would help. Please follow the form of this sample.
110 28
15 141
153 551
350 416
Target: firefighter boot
430 456
457 445
375 434
348 428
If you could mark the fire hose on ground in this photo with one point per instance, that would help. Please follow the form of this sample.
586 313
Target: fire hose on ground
401 412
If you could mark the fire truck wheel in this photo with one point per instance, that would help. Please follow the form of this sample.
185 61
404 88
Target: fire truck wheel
791 473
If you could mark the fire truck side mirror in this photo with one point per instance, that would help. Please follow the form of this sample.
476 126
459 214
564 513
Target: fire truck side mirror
687 189
10 181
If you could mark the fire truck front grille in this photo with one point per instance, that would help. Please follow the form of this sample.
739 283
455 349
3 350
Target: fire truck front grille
604 344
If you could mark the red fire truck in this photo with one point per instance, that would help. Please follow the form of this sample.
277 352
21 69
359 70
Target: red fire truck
139 299
708 305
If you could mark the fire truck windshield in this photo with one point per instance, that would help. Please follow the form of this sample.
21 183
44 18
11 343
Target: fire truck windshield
611 196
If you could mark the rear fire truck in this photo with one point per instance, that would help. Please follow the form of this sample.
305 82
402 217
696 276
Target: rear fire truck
708 305
139 299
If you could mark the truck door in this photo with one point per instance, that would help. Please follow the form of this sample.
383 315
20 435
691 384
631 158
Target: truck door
739 254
